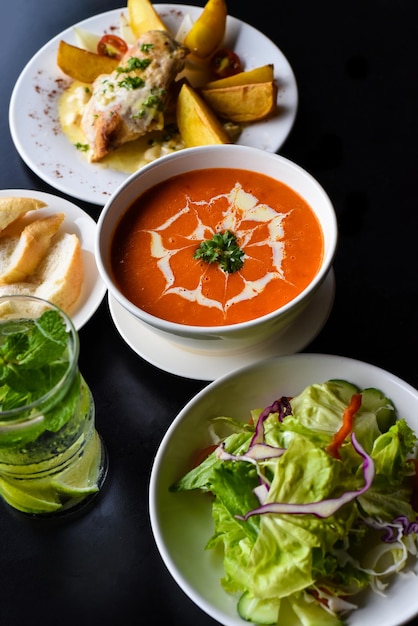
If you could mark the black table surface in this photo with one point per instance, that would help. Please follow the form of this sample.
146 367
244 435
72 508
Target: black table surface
355 64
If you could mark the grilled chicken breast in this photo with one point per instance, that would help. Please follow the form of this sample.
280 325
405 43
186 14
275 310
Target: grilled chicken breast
130 102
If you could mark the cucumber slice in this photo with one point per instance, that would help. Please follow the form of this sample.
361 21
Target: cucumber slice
342 389
376 402
258 610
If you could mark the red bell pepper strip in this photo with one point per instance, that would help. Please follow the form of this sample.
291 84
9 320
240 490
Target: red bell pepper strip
201 455
334 446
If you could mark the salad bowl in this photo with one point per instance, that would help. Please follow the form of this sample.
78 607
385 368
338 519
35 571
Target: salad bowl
182 521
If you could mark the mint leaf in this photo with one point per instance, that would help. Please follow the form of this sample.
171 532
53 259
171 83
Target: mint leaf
14 345
33 358
9 399
47 341
64 410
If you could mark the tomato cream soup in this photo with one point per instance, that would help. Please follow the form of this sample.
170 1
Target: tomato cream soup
153 248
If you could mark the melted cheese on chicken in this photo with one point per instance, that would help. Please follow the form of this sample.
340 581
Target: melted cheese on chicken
130 102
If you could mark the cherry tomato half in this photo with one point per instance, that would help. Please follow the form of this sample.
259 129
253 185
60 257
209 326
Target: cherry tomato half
112 46
225 62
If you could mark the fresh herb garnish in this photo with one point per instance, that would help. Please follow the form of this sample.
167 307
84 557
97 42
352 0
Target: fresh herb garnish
32 358
222 249
107 86
154 100
146 47
131 82
139 115
83 147
133 63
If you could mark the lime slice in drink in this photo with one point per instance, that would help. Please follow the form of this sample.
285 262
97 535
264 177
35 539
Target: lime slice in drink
50 493
35 501
80 480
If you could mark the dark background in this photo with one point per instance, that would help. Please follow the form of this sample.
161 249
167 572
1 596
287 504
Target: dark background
355 63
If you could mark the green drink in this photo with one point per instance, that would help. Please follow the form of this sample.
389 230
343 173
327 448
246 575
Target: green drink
51 457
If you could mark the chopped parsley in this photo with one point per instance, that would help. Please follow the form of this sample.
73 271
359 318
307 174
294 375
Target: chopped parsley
154 101
131 82
146 47
222 249
139 115
83 147
107 86
132 64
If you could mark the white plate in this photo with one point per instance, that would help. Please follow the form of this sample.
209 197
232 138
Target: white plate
78 222
182 522
177 360
33 114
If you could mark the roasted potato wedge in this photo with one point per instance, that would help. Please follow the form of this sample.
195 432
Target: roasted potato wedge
143 17
242 103
262 74
207 33
81 64
197 123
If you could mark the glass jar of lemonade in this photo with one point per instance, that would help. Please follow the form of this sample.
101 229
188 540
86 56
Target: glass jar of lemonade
51 457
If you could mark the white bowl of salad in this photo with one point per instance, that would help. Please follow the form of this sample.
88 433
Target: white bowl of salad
285 492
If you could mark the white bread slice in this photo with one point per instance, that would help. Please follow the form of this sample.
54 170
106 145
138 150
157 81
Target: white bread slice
13 208
58 278
21 255
61 274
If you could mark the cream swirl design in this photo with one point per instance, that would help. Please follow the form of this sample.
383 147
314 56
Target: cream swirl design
244 216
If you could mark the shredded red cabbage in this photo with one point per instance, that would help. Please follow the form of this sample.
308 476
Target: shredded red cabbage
402 521
256 452
323 508
281 406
